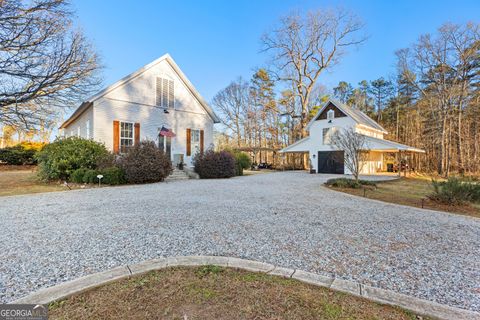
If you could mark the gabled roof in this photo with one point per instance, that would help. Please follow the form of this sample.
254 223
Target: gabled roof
376 144
299 146
357 115
87 103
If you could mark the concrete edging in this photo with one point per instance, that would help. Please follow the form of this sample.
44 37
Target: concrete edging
419 306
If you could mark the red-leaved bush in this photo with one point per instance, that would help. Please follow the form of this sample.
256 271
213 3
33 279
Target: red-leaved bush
214 165
145 163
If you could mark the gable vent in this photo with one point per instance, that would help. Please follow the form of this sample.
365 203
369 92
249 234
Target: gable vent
330 114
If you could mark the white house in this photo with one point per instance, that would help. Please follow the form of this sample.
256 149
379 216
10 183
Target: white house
325 158
156 102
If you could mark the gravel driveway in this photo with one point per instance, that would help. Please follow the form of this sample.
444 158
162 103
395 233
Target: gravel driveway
287 219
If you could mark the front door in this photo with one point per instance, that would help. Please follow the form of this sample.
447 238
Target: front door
331 162
165 144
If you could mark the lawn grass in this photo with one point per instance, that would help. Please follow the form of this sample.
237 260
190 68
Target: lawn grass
212 292
23 180
410 191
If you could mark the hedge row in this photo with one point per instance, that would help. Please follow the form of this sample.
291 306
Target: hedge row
20 154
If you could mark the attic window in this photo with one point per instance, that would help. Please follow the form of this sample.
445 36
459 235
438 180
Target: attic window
330 114
165 93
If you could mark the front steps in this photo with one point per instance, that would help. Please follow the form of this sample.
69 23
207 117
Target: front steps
177 175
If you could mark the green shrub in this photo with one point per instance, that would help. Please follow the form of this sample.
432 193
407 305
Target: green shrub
113 176
90 176
77 175
349 183
18 155
455 191
242 161
238 169
145 163
215 165
59 159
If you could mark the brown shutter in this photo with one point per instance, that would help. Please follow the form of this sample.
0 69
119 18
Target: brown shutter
189 142
137 134
201 141
116 136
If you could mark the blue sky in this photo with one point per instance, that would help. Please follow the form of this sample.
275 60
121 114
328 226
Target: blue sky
214 42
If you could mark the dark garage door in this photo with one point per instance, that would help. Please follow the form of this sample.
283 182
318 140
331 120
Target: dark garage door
331 162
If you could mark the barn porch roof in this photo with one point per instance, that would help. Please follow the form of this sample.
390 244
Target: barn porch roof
373 144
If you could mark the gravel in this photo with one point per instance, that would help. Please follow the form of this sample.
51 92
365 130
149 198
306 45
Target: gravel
287 219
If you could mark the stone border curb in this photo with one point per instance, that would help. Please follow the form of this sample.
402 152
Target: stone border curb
419 306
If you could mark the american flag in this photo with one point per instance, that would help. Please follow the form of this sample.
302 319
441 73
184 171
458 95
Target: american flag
166 132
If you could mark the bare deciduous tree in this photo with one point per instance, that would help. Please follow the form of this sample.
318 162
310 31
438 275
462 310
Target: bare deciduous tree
355 149
444 69
233 104
45 64
305 46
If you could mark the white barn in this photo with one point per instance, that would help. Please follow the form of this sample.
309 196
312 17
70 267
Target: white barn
325 158
156 102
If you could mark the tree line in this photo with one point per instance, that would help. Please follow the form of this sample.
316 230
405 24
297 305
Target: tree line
431 101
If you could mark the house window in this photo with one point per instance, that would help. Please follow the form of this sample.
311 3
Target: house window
78 132
126 136
87 129
195 141
165 93
327 134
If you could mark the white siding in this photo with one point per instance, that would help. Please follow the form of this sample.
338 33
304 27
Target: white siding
314 143
136 102
151 120
81 122
369 132
142 89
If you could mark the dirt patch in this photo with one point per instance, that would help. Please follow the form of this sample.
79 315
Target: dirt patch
24 180
7 167
212 292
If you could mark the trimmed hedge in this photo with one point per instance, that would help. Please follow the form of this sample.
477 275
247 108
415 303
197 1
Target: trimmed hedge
215 165
58 160
145 163
111 176
349 183
18 155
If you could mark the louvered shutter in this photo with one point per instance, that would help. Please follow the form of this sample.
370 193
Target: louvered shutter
137 133
189 142
165 93
171 94
201 141
158 91
116 136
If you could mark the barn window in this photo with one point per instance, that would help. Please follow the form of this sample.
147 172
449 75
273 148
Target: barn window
327 134
165 93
